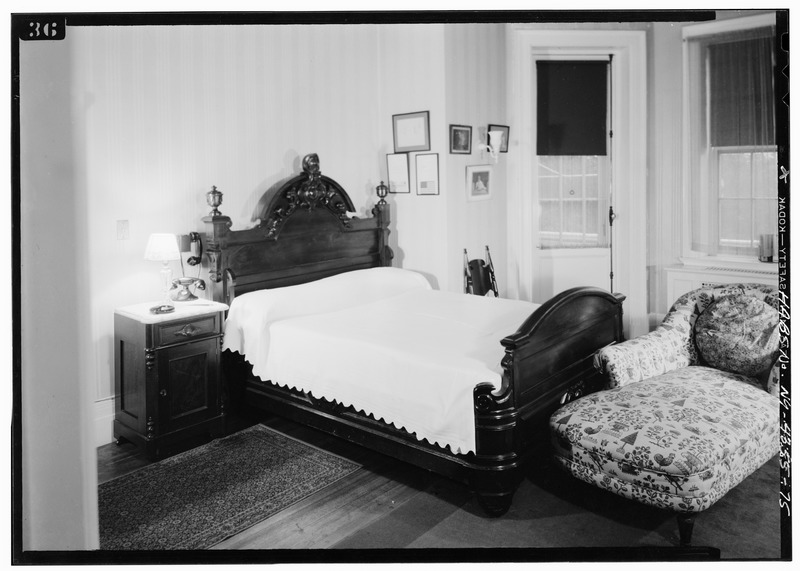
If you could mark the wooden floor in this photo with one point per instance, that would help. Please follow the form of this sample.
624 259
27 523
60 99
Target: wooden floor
326 518
389 505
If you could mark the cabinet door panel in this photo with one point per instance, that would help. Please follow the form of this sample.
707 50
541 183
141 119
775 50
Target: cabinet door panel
188 385
130 383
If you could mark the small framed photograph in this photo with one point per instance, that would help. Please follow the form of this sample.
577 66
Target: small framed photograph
428 173
397 168
460 139
479 182
503 129
412 132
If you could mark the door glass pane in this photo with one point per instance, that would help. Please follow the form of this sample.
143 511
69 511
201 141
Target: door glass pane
591 186
550 218
592 217
549 187
573 218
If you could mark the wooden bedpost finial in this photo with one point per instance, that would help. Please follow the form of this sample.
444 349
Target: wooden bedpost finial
382 191
214 199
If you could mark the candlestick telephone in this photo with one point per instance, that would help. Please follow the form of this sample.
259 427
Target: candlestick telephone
196 248
180 286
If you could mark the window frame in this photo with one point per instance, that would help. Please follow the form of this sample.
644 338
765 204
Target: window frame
690 91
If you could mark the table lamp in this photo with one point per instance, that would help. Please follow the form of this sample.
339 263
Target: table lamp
163 248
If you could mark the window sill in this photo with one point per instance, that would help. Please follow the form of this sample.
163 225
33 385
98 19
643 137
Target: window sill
729 264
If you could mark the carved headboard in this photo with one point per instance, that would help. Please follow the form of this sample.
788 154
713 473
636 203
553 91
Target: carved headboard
305 233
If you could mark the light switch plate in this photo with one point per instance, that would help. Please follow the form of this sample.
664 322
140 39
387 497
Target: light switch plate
123 230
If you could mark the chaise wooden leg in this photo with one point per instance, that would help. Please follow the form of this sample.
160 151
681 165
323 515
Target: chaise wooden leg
685 527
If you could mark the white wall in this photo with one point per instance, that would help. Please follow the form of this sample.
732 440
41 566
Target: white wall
59 487
170 111
136 123
411 78
475 85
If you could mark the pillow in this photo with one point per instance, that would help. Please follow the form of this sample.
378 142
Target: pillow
739 334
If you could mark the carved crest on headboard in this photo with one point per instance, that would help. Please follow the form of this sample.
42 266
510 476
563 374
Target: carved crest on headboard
309 190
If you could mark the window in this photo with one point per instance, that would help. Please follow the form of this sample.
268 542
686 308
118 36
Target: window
571 152
733 161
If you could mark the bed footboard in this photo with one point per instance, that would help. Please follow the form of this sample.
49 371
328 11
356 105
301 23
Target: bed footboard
549 358
548 362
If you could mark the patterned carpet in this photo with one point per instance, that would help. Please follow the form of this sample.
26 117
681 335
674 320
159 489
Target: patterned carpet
203 496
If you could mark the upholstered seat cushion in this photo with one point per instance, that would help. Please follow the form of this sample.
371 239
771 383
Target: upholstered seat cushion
679 441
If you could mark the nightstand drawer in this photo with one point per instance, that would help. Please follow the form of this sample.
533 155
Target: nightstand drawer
187 330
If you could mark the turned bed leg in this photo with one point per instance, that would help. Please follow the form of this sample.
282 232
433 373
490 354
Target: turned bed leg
495 505
685 527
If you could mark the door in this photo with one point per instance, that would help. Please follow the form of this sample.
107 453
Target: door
571 162
559 203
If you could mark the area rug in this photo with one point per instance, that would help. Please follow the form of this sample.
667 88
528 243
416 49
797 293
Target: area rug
200 497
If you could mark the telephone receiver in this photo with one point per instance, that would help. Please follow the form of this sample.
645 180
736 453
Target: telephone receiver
183 285
196 248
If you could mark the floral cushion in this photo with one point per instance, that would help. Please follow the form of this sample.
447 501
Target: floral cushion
679 441
738 333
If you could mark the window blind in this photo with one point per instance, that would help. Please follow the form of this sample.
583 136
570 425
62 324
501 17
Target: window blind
742 100
571 115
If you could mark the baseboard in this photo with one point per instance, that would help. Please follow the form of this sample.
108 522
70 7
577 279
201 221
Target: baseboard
104 421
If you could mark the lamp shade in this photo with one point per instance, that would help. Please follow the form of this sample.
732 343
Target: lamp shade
162 248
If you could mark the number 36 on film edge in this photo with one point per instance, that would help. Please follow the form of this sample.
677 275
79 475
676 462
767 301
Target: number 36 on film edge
43 27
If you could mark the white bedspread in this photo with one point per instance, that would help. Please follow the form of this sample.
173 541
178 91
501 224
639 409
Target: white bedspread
411 359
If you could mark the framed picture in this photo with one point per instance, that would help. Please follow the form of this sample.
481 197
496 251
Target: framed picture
479 182
428 173
505 130
397 168
460 139
412 132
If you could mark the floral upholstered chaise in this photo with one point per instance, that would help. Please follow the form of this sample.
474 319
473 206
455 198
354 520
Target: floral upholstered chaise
691 408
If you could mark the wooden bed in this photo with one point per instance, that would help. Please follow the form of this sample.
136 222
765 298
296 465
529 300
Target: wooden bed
305 234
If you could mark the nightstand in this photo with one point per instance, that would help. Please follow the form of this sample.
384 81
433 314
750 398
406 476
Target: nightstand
167 376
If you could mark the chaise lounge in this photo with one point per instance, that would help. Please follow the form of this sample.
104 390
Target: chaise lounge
691 408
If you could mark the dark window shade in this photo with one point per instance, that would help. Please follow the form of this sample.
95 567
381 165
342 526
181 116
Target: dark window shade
571 118
741 93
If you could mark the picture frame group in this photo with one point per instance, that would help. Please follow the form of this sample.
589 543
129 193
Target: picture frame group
411 134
